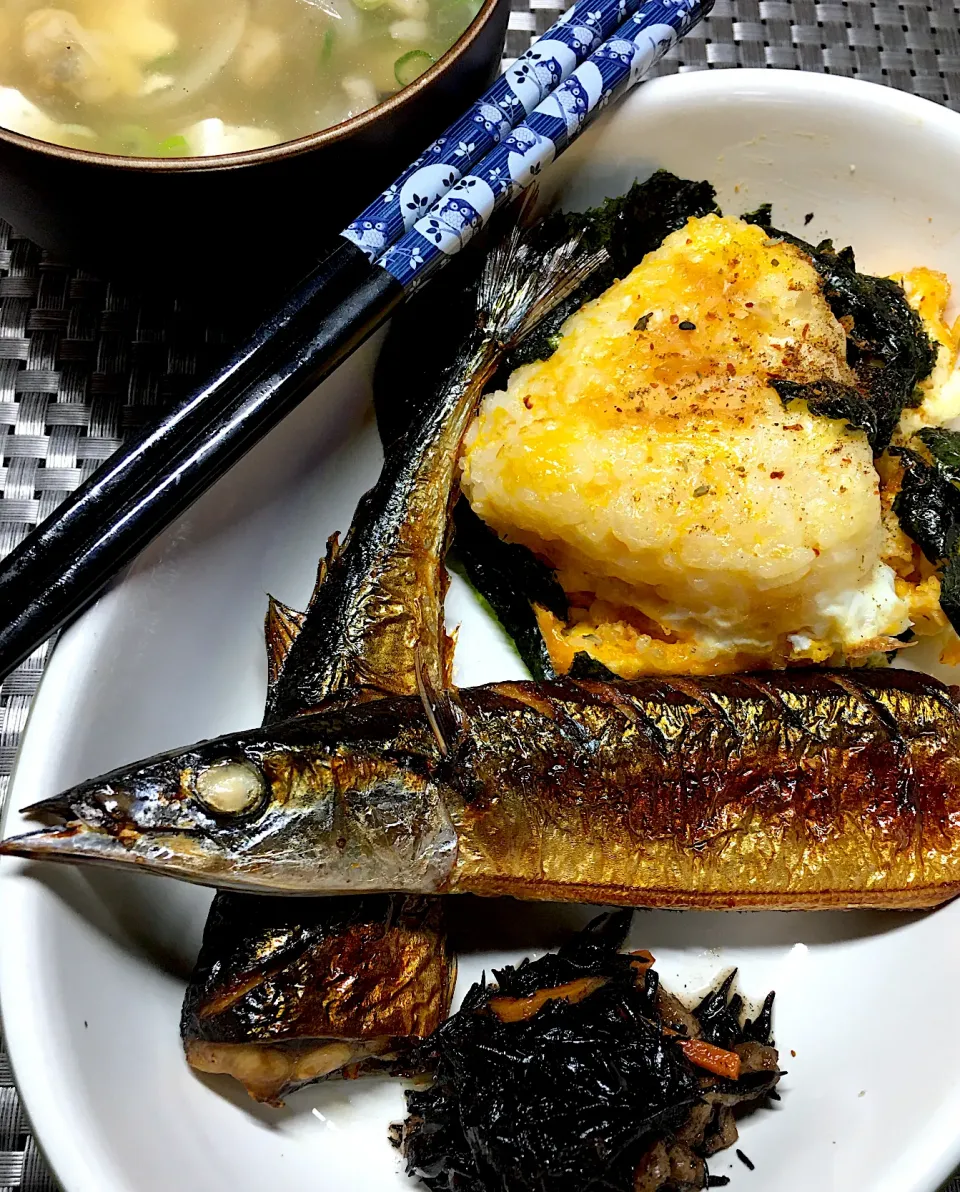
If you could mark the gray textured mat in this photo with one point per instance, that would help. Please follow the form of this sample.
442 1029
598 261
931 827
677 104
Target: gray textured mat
81 362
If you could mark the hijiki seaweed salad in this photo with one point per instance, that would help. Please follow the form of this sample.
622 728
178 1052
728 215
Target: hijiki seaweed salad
580 1071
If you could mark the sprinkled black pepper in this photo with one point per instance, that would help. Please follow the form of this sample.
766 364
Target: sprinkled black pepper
748 1163
807 218
686 325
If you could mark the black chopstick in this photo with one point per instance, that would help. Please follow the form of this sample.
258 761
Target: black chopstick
62 566
56 572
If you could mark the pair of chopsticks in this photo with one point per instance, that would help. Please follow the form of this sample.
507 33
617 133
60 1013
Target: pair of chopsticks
595 52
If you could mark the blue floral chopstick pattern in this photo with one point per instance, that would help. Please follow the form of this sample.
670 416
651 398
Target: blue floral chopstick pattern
616 66
550 60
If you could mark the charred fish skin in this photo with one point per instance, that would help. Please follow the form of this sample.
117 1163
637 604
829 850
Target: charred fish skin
811 789
257 1011
785 791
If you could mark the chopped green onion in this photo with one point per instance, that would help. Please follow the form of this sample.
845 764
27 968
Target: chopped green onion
175 146
411 65
326 48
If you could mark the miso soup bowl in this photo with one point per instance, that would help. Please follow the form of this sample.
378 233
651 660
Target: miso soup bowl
255 217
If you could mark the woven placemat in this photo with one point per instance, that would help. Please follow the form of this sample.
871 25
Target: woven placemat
82 361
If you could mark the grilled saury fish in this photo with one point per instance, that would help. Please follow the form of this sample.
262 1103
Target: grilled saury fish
797 789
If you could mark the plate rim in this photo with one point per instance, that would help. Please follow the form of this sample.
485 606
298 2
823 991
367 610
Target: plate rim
56 1131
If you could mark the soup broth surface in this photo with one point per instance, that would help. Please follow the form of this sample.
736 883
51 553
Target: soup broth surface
181 78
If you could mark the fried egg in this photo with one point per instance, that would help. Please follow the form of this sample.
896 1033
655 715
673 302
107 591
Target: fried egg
696 524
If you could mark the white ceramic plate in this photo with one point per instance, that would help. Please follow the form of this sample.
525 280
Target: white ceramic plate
93 964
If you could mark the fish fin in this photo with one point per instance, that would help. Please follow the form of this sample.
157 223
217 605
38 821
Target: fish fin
281 626
283 623
334 546
427 699
447 719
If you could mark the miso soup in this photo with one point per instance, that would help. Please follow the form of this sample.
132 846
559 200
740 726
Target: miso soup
180 78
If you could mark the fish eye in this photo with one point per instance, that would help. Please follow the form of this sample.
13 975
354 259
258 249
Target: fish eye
230 787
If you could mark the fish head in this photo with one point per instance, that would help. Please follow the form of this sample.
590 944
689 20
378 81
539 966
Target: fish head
295 808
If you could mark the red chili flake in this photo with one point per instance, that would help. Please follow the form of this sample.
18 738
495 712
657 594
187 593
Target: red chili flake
794 426
749 305
731 370
776 475
528 403
674 318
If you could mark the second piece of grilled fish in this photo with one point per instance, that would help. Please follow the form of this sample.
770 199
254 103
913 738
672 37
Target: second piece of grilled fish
290 990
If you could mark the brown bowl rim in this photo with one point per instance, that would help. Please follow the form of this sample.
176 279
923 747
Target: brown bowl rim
283 149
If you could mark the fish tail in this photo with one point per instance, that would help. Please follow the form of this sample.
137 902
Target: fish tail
528 272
